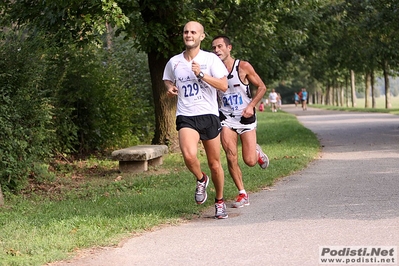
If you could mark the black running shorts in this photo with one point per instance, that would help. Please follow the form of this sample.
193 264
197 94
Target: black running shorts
208 126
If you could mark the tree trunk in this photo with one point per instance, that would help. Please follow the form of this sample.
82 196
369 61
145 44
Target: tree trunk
110 34
334 94
165 108
341 96
367 91
353 88
319 95
387 86
328 94
346 91
1 197
373 103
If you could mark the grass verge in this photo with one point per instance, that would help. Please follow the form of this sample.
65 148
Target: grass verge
360 106
356 109
90 204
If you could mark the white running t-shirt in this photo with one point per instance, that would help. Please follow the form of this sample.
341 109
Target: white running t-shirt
195 97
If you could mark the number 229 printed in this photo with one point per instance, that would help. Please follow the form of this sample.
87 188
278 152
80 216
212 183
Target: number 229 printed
190 90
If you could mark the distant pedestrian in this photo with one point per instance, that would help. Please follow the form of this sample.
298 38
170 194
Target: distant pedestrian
279 102
261 107
296 99
273 98
304 98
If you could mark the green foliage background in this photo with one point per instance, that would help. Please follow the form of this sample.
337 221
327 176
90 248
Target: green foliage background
63 100
75 78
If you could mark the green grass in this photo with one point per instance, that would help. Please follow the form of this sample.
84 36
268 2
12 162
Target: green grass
360 106
90 204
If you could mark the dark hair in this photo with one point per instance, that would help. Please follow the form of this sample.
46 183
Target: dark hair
225 39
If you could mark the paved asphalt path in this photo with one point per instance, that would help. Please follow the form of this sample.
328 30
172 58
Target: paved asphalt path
347 197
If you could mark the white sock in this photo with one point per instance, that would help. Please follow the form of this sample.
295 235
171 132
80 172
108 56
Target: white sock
242 192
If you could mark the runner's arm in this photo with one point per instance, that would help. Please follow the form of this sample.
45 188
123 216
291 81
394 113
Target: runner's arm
256 81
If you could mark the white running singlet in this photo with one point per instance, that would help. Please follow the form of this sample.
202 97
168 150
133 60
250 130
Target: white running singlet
238 95
233 102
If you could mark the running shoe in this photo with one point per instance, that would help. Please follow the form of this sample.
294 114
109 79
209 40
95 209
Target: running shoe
220 210
263 160
200 190
241 201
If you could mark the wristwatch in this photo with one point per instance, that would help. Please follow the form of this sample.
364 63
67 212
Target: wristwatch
200 75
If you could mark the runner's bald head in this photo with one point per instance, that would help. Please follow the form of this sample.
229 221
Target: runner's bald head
194 27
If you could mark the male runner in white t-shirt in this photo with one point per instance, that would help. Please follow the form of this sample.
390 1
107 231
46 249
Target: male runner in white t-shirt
237 115
194 76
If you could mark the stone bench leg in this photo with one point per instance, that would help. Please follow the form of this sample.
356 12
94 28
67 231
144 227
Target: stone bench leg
155 161
138 166
133 166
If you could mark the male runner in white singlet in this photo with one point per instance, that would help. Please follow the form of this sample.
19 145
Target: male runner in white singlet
237 115
194 76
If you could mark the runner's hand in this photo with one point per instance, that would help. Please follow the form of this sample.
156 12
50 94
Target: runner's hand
248 112
172 91
196 68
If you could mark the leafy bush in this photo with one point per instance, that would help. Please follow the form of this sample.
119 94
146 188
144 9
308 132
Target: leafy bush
135 76
106 98
25 111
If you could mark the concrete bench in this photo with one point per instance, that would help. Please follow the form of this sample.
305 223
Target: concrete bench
136 159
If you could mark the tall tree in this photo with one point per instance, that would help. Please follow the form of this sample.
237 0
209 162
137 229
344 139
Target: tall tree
385 27
158 34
